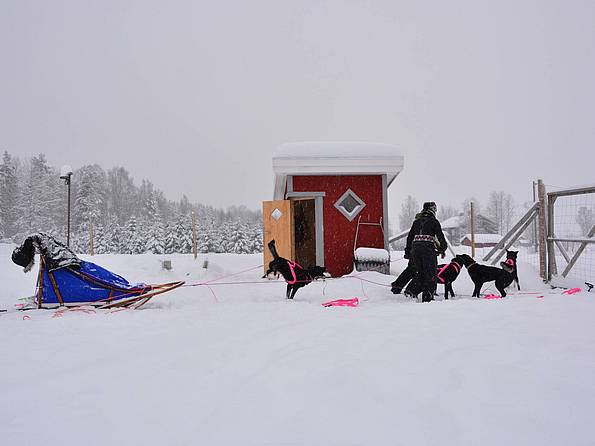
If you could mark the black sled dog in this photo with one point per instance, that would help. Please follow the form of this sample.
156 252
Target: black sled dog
510 265
295 276
446 274
481 274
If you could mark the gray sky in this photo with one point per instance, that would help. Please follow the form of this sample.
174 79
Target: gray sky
195 95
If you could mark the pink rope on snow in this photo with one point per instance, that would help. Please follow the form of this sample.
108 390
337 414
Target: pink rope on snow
342 303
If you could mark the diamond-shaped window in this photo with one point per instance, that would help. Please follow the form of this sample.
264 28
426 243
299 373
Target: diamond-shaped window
276 214
349 204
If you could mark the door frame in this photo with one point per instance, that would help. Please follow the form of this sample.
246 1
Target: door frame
318 198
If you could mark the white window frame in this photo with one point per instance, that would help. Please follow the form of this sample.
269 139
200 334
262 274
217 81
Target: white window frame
350 215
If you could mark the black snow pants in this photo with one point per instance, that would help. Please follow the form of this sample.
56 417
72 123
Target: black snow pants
423 255
404 278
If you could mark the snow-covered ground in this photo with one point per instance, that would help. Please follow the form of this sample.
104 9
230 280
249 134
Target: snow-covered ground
246 367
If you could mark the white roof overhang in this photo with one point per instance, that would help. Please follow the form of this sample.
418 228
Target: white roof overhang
334 158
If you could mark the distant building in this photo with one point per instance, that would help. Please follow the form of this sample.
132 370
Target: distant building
456 227
482 240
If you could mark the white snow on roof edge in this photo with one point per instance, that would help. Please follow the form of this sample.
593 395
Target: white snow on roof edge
334 149
334 158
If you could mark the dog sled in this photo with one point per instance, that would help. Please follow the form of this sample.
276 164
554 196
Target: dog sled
65 280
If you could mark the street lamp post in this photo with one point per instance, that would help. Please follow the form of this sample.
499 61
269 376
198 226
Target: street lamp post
66 174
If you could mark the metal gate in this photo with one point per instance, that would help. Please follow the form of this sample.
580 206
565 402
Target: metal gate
570 234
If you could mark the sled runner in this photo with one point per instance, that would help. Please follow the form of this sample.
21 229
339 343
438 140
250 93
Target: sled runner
65 280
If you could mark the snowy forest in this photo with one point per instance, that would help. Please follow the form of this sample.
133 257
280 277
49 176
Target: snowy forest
111 214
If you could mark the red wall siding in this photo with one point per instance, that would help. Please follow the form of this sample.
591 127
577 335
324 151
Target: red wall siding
339 233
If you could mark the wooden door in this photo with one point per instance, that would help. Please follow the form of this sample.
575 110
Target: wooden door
277 222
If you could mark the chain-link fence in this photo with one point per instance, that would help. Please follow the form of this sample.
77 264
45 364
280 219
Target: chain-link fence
571 235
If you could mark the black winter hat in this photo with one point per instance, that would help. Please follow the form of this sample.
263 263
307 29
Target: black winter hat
430 205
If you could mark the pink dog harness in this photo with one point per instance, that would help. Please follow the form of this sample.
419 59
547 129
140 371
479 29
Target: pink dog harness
292 265
455 265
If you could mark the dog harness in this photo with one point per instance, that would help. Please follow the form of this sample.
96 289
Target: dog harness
455 265
292 265
469 266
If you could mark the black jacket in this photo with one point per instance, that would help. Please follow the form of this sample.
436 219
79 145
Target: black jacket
426 224
55 254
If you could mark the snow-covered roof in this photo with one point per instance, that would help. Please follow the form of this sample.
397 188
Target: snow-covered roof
484 238
453 222
340 158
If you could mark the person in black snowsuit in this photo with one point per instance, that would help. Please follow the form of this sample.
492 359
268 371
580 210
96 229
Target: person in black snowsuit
421 248
404 278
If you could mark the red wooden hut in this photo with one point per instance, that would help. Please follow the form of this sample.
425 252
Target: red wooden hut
329 198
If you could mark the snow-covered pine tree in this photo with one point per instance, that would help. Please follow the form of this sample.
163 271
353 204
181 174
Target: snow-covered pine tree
256 238
185 206
183 235
121 195
155 234
203 244
233 241
35 200
132 238
170 238
116 239
109 238
100 240
89 183
9 193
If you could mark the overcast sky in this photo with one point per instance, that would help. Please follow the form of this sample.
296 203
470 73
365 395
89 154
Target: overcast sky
195 95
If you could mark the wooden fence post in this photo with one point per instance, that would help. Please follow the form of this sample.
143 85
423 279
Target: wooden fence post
472 230
541 226
194 250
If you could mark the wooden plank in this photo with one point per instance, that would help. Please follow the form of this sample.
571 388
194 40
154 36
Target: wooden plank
40 282
562 250
578 253
55 286
279 229
514 238
513 231
576 191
